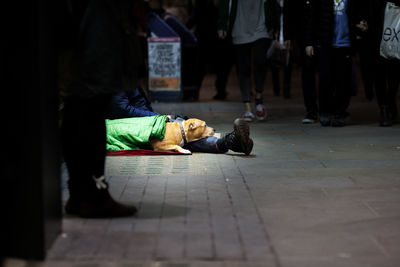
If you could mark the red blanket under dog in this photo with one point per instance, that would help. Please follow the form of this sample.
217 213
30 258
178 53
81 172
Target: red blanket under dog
142 152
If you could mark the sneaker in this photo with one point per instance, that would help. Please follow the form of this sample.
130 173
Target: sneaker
310 118
248 116
325 120
261 113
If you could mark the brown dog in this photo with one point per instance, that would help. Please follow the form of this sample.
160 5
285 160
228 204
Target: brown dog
179 133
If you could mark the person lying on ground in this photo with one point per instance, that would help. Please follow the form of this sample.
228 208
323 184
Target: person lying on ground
134 103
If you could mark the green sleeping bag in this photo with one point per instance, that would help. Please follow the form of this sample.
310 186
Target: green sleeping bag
134 133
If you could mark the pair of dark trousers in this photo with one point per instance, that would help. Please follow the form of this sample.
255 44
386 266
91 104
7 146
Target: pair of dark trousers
224 64
335 79
366 51
83 137
246 54
287 77
308 80
387 83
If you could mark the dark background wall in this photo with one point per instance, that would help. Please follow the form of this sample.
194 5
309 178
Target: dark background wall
30 204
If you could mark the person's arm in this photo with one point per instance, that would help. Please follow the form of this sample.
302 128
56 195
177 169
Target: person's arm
361 10
309 7
223 18
272 11
122 107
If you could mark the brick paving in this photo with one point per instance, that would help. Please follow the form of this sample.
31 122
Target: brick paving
306 196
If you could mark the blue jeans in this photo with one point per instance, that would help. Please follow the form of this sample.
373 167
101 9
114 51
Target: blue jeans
207 145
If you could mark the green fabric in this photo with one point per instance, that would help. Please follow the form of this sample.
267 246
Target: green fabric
134 133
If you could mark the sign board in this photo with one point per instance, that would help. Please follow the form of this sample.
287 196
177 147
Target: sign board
164 64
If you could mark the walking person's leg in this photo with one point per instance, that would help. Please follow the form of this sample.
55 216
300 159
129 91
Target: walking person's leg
287 77
381 91
308 80
343 63
275 72
393 87
325 87
243 69
224 64
260 48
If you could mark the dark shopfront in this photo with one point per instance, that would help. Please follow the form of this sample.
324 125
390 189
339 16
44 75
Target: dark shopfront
30 189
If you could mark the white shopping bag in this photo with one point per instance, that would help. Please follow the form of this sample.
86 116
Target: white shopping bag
390 43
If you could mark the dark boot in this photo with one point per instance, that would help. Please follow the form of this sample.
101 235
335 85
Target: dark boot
96 202
386 117
239 140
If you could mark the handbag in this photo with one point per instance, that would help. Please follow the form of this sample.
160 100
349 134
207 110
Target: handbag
390 43
277 54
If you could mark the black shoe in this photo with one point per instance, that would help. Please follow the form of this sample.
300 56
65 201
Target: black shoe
239 140
338 121
325 120
220 96
386 118
98 203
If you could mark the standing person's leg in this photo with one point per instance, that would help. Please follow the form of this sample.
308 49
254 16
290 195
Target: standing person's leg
224 64
287 76
275 71
309 87
366 52
381 91
243 69
84 125
71 136
393 87
343 64
325 88
260 48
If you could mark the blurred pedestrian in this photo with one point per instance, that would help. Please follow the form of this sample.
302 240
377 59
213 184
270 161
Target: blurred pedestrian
331 35
384 26
285 40
251 24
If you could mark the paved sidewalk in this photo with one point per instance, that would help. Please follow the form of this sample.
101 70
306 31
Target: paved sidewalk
306 196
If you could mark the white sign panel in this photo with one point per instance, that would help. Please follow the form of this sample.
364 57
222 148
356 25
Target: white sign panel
164 64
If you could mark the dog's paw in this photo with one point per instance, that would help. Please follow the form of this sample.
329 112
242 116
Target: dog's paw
185 151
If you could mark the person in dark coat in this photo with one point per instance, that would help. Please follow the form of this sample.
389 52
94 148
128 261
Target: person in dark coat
330 33
386 71
127 104
105 58
215 54
134 103
285 37
294 21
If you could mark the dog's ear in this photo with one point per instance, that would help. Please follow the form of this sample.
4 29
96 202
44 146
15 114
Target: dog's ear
192 126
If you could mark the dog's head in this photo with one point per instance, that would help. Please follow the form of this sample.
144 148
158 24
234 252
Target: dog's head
196 129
